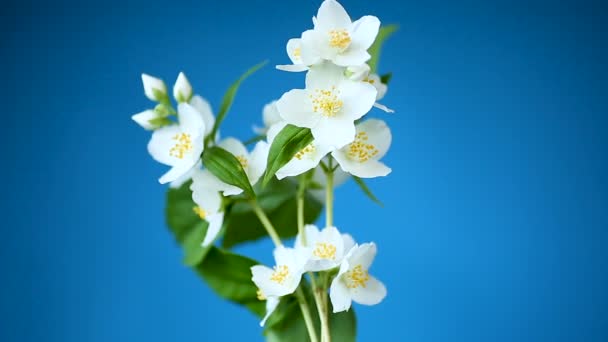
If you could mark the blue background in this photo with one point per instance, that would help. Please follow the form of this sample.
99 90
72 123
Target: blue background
496 219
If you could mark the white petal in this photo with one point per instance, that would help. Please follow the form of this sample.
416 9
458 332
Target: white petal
332 15
204 108
292 67
176 184
177 171
271 305
383 108
261 277
369 169
335 132
358 98
234 146
324 76
358 72
307 161
311 46
375 80
294 49
190 121
161 142
271 114
363 255
274 130
349 242
352 56
182 90
209 200
339 295
372 294
257 162
378 133
364 32
143 119
332 235
312 234
295 107
151 83
213 229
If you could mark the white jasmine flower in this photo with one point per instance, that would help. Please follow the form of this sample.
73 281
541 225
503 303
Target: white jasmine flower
204 109
329 105
272 302
353 282
284 278
306 159
253 163
358 72
336 38
362 73
361 157
182 90
270 116
205 193
155 88
294 51
179 145
324 249
143 119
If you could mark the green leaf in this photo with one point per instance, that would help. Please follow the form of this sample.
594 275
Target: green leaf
194 252
229 98
227 168
278 200
386 78
374 50
229 275
286 144
366 190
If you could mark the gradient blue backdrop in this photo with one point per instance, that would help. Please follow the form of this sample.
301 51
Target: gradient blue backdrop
496 219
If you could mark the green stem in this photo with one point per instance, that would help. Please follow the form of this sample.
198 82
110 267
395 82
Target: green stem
266 223
329 197
307 316
300 207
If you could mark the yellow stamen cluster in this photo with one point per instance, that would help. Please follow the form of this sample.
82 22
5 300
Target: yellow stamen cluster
183 145
370 81
297 53
200 212
306 150
280 273
339 39
260 295
243 161
360 150
325 251
326 102
357 277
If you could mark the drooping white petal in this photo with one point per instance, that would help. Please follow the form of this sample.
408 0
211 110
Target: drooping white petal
190 120
339 295
271 305
182 90
205 192
143 119
332 15
383 108
364 32
292 67
357 97
151 83
213 228
295 107
257 162
204 108
371 294
334 132
370 169
161 142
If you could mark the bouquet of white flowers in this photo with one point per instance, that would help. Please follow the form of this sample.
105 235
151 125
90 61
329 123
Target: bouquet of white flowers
313 139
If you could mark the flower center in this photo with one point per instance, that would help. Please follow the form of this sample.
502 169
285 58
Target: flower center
260 295
360 150
305 151
297 53
357 277
183 145
280 273
339 39
243 161
326 102
325 251
200 212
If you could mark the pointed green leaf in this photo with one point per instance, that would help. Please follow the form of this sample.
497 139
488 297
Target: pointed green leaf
229 98
374 50
366 190
227 168
288 142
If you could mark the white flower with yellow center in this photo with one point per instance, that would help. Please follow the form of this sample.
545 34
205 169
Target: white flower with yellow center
354 283
294 51
329 105
361 157
270 117
179 145
324 249
304 160
284 277
254 163
362 73
336 38
205 194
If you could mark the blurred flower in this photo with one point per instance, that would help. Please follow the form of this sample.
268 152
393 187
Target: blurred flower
284 278
205 194
270 116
